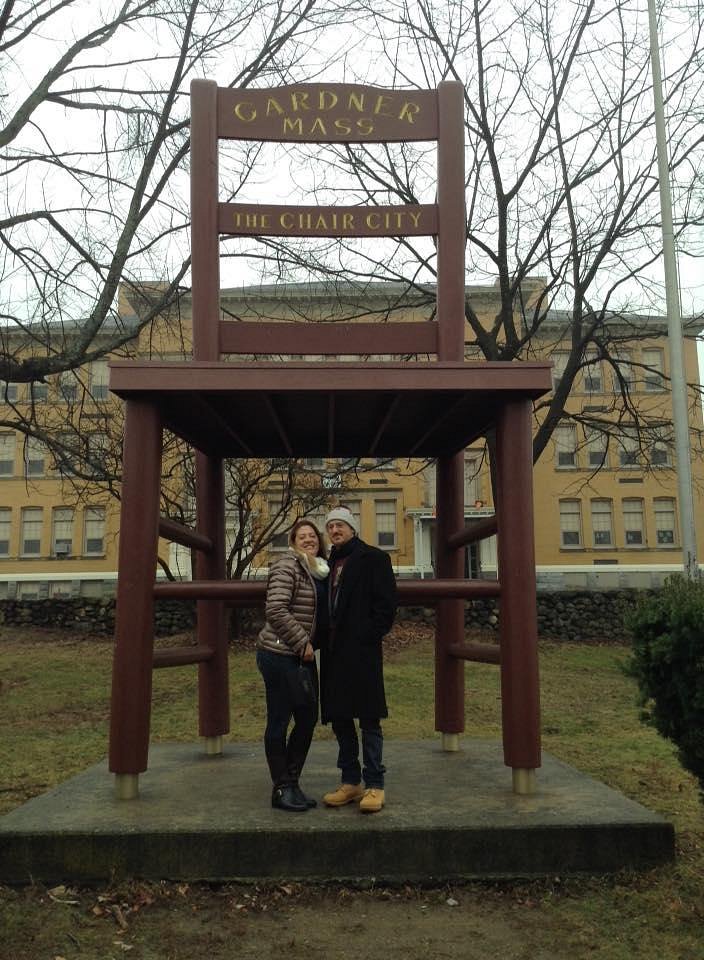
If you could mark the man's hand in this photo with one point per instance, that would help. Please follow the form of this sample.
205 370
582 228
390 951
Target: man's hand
308 653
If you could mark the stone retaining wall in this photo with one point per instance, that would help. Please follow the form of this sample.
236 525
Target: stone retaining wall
563 615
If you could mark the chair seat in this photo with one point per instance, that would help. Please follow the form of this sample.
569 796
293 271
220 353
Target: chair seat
336 409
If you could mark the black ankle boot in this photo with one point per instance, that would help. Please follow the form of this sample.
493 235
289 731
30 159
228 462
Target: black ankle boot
304 798
288 798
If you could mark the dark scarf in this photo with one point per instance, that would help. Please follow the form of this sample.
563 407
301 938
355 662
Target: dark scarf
339 553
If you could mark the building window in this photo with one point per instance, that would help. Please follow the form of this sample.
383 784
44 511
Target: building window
653 370
629 449
570 523
60 590
98 450
280 540
625 375
355 508
7 454
601 523
385 523
591 374
559 363
472 487
65 454
5 530
566 445
313 463
8 392
633 526
99 379
28 590
39 392
665 528
597 443
68 386
32 531
382 463
62 532
660 453
34 453
94 531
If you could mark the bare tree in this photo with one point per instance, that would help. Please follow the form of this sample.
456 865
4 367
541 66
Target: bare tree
561 178
94 133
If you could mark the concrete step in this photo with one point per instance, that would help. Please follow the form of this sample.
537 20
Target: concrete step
448 816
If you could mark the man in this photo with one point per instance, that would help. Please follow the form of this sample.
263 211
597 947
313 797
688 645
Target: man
362 600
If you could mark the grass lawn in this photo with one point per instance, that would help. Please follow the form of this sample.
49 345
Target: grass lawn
53 710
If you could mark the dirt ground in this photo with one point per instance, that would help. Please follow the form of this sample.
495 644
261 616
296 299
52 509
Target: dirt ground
182 922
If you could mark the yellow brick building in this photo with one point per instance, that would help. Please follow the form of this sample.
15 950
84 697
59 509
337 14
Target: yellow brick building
606 510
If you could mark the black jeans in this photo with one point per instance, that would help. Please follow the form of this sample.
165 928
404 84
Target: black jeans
285 757
372 750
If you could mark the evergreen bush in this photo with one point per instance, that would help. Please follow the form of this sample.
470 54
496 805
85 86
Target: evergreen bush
667 631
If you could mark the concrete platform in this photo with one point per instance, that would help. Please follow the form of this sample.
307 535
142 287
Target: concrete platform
448 816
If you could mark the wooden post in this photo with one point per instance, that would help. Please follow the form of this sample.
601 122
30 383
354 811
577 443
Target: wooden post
520 696
449 671
134 615
213 680
213 685
449 630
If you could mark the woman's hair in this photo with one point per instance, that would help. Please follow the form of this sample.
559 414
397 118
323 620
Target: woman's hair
322 552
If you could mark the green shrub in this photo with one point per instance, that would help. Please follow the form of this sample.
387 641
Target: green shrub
668 664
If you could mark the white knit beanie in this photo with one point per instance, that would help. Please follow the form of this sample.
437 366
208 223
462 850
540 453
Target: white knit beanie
341 513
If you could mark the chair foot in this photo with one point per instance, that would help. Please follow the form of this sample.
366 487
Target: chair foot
523 781
213 746
450 742
126 786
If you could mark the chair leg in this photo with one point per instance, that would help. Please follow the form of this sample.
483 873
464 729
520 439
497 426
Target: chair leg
134 611
520 698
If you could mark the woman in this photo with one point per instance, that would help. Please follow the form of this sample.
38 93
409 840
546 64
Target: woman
296 623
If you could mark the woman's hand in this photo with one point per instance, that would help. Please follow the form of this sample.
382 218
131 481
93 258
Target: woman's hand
308 653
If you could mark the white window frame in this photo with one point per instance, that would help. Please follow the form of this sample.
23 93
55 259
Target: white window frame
653 357
62 531
603 529
597 447
32 521
8 450
9 392
5 530
633 508
568 524
559 362
381 521
592 374
34 457
566 446
99 380
93 521
665 507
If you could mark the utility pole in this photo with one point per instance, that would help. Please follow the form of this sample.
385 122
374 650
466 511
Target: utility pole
680 413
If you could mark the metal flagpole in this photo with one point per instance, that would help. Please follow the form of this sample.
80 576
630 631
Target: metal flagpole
680 414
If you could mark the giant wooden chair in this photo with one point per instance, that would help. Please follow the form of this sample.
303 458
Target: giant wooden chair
337 408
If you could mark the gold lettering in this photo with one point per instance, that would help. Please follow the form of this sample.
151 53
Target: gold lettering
409 110
321 223
286 220
319 127
343 125
264 221
373 221
293 126
382 105
415 217
273 106
245 111
299 101
356 101
365 125
305 221
326 100
348 221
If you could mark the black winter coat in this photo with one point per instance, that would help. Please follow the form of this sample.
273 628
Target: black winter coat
352 678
